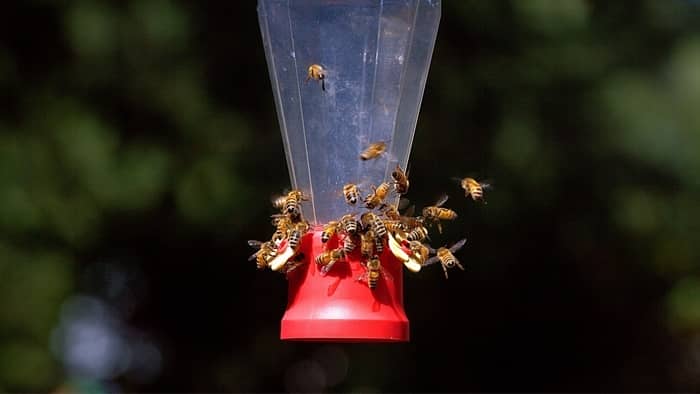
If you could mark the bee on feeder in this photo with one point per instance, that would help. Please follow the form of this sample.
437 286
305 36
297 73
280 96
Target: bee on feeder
374 150
351 193
317 73
371 221
420 251
327 259
266 252
349 243
436 213
378 195
367 244
373 270
400 180
349 224
329 230
446 256
418 233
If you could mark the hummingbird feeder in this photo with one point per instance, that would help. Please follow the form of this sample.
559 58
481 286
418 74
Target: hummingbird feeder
346 74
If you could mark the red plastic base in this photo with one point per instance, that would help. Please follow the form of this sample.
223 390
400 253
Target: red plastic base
339 308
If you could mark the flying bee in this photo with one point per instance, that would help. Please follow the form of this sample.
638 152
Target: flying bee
328 258
436 213
349 224
400 180
418 233
474 188
446 257
266 251
373 270
374 150
329 230
378 195
373 222
420 251
367 244
317 73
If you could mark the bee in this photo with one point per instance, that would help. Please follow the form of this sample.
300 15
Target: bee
328 258
473 188
400 180
278 236
391 211
367 244
420 251
348 243
296 234
278 203
378 195
351 193
379 244
349 224
374 150
373 222
418 233
394 226
436 213
292 203
317 73
373 270
446 257
266 251
329 230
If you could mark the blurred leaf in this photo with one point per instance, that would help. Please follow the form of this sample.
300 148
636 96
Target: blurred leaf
683 304
91 27
26 366
553 16
207 190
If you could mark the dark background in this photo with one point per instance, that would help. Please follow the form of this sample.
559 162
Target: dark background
139 147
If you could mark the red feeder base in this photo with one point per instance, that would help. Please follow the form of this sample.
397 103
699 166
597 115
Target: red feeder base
338 307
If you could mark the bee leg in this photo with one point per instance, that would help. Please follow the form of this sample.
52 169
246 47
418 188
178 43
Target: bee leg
444 269
439 226
323 84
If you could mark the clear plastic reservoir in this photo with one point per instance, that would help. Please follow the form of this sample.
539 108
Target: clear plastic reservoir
375 56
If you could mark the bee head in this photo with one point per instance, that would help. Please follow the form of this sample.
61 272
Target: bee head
450 264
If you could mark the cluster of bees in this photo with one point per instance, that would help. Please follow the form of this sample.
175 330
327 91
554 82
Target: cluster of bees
380 226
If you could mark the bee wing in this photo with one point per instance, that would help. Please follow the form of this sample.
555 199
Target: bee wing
443 199
410 211
431 261
255 243
253 256
458 245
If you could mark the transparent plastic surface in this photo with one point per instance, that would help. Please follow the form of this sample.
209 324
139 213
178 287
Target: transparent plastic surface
375 55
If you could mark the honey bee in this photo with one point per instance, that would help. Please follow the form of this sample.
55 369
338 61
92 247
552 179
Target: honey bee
351 193
378 195
349 224
420 251
436 213
328 258
374 150
446 257
474 188
394 226
348 243
329 230
317 73
391 211
400 180
278 202
373 222
373 271
379 244
296 234
367 244
292 203
266 251
418 233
